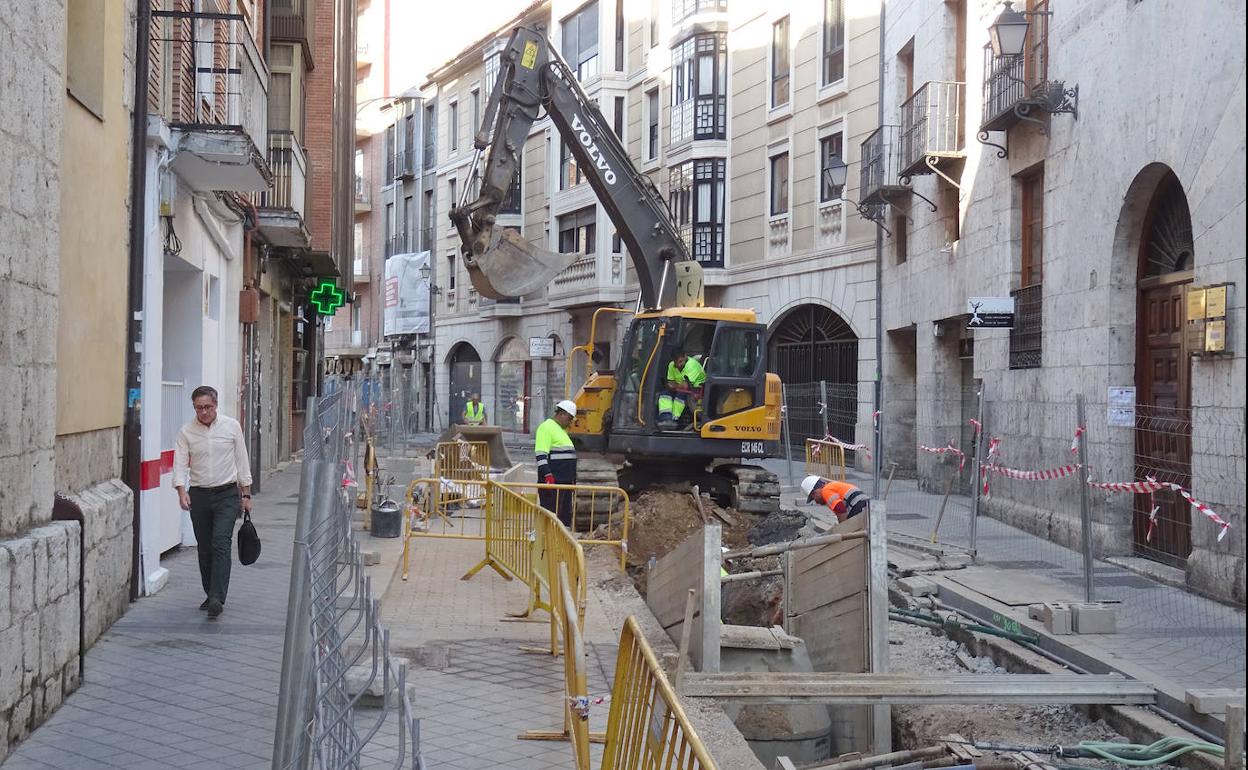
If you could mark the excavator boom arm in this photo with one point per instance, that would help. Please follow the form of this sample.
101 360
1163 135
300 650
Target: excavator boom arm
533 76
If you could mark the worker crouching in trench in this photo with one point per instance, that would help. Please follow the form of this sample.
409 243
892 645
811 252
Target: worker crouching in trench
842 498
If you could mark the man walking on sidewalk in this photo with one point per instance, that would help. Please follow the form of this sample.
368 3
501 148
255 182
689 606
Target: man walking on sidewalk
213 477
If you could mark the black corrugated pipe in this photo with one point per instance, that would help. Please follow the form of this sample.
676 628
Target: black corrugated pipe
132 447
64 509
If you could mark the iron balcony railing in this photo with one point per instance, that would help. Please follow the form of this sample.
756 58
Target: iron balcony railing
292 22
1025 337
1011 81
405 164
206 70
400 243
931 127
361 189
879 170
431 157
289 165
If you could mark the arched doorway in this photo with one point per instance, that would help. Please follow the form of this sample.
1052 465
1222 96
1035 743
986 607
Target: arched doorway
512 384
810 345
1163 431
465 364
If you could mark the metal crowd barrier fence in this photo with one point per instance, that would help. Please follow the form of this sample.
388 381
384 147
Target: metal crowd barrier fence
601 514
576 681
825 458
646 726
331 606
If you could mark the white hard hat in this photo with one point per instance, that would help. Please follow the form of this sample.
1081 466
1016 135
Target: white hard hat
567 406
808 484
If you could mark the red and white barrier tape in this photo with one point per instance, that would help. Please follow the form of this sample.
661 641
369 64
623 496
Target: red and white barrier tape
1042 475
875 418
1074 444
1152 485
580 703
830 439
947 450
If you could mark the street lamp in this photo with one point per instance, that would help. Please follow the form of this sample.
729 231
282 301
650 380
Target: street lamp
1008 33
426 274
836 175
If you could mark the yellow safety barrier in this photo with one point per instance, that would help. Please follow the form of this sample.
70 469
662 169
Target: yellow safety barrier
575 682
826 459
593 507
646 727
464 467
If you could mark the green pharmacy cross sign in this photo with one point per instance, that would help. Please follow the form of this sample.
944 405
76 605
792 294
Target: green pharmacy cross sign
327 297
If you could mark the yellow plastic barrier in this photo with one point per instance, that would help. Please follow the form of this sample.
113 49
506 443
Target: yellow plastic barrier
826 459
593 506
646 727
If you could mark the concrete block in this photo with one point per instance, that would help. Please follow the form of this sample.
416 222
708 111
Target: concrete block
371 693
917 586
1213 701
1058 619
1093 618
1035 611
370 558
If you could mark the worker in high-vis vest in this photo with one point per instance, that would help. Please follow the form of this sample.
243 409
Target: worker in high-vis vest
842 498
685 376
556 460
474 411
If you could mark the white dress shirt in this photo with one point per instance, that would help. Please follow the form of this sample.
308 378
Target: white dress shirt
211 455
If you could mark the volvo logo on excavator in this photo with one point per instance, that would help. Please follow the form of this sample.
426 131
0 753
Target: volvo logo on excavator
600 162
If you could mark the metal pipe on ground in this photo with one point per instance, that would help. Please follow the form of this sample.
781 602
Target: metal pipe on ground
793 545
741 576
896 757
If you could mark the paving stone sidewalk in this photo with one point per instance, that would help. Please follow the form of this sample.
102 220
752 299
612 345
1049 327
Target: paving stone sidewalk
167 688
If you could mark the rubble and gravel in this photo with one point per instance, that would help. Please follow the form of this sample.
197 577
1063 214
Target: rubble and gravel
913 649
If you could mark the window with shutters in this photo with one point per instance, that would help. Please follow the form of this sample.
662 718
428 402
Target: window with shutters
1026 336
833 54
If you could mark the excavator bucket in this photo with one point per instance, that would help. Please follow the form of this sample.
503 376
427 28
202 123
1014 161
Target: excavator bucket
513 267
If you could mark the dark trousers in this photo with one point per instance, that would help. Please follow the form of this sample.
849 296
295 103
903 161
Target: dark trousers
559 501
213 513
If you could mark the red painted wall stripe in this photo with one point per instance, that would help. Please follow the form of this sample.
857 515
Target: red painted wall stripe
166 461
149 475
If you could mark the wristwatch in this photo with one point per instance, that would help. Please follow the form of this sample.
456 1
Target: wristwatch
247 496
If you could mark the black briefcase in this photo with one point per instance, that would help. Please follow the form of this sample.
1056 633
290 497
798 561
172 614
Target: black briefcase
248 541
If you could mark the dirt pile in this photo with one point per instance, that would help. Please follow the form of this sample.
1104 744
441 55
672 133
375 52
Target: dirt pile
663 519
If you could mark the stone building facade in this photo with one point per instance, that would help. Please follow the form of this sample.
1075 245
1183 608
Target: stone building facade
65 515
1098 225
732 108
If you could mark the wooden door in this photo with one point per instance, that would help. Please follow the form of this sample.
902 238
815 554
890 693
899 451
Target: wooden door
1163 433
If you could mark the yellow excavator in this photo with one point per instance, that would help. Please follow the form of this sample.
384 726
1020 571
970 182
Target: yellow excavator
734 415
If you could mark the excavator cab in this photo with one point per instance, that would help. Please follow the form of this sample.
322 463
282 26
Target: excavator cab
734 413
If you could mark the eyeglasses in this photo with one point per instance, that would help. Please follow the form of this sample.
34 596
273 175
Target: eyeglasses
204 408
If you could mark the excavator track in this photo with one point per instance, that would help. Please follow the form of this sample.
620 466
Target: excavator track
747 488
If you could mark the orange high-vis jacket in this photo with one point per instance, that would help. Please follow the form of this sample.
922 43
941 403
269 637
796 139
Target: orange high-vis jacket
833 494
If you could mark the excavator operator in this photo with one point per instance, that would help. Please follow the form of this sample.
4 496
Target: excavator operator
685 376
